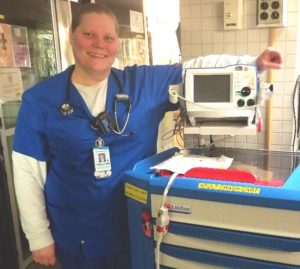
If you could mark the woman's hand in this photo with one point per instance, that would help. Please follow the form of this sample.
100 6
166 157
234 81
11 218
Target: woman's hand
269 59
45 256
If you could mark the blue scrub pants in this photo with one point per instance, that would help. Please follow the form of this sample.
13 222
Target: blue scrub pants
116 261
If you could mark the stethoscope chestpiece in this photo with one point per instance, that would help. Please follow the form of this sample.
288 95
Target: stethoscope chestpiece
66 109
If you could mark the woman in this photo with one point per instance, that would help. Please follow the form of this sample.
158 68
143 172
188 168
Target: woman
71 205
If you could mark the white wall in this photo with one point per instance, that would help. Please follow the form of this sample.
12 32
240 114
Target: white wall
162 22
202 33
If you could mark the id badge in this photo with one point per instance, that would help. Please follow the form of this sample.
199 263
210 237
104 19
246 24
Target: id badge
102 162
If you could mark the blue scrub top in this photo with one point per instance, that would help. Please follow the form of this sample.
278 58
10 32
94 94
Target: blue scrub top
89 214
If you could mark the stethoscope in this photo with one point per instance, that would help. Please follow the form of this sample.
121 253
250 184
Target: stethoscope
104 122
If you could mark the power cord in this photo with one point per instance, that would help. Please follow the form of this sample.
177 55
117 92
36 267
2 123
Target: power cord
163 220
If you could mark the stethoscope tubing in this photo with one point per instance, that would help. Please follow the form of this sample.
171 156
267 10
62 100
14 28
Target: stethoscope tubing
66 108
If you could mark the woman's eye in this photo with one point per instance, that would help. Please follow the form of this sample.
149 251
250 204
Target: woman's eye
89 35
109 38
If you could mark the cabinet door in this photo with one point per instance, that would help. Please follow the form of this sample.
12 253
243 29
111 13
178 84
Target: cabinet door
32 29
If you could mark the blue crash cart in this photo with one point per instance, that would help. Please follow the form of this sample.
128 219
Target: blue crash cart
217 223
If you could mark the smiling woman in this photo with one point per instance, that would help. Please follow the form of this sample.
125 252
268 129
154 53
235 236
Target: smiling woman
94 40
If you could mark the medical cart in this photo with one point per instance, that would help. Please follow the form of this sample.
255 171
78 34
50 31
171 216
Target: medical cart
242 217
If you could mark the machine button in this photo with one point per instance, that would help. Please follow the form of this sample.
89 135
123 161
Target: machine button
250 102
240 102
245 91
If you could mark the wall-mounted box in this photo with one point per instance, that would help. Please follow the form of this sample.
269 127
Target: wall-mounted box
233 14
271 13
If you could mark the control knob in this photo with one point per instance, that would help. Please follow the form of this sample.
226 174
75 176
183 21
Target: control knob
240 102
245 91
250 102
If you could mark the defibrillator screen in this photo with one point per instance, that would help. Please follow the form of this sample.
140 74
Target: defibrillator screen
212 88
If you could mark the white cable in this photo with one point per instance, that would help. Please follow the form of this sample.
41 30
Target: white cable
263 95
162 221
157 250
167 188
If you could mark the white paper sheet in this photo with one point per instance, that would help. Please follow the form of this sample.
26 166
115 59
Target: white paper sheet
181 164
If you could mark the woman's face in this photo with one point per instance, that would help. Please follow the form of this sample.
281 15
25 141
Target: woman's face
95 44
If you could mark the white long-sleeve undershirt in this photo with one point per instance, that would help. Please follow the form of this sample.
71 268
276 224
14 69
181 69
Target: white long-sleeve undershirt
29 180
30 174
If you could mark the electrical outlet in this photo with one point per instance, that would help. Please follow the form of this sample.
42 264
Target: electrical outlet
271 13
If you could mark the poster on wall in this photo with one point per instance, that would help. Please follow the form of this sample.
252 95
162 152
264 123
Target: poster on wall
20 46
10 84
131 51
136 22
6 48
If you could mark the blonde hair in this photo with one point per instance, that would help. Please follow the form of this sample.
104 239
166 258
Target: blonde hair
91 8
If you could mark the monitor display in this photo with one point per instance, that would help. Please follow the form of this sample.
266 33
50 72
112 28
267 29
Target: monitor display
212 88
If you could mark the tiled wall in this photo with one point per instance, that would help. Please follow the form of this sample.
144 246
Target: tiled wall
202 33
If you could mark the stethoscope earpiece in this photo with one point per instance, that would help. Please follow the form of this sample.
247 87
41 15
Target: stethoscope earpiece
66 109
